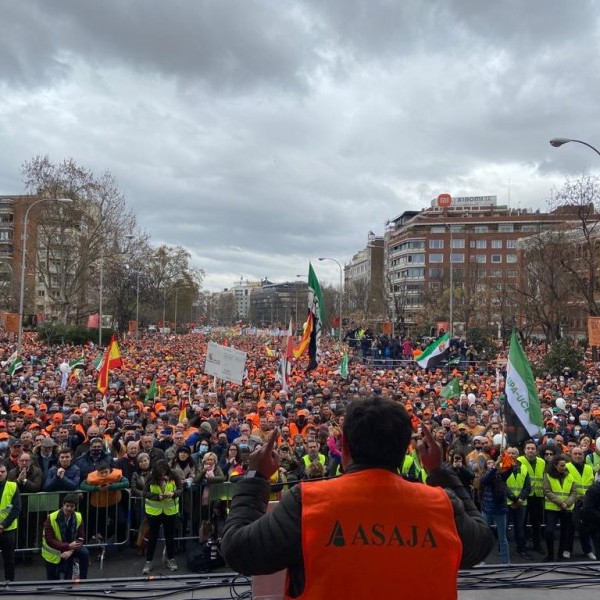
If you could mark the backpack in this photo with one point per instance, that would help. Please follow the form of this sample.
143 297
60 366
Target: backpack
203 557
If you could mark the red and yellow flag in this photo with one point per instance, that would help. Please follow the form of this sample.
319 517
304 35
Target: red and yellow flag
302 346
112 360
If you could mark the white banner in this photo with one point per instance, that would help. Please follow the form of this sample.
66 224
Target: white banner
225 362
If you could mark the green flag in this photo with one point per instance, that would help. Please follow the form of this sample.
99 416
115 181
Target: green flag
78 363
152 390
16 366
523 412
98 361
344 366
435 352
316 311
451 389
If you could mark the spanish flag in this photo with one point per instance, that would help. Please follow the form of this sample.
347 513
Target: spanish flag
112 360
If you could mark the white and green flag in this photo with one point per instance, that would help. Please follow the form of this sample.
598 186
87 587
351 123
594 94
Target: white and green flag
343 369
78 363
523 413
435 352
16 366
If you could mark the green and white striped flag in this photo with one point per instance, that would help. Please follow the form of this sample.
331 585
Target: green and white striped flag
16 366
78 363
523 412
98 361
435 352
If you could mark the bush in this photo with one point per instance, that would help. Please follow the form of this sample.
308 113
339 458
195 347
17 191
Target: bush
54 334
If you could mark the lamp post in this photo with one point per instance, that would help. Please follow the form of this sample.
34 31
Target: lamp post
451 286
23 254
341 289
558 142
137 293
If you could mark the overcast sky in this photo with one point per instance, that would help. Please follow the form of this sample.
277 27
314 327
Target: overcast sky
262 135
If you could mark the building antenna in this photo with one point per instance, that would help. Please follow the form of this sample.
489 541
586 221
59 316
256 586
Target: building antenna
509 194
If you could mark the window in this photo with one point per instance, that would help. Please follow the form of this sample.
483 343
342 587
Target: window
506 228
511 273
511 258
496 258
457 258
438 229
530 228
416 258
436 273
460 243
481 244
496 273
434 285
481 259
436 258
436 244
480 229
511 243
496 244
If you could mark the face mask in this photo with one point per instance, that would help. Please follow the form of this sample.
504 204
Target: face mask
66 409
333 406
3 445
203 448
131 414
583 422
550 442
95 452
244 447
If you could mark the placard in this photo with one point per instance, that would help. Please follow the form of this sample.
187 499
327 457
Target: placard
225 362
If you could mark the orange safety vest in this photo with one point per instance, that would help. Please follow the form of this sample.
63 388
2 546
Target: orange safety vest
364 532
105 497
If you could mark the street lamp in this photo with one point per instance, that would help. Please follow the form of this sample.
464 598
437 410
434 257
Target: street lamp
137 294
101 290
23 253
341 289
558 142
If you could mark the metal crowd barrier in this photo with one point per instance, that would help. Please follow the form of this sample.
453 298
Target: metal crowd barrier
122 524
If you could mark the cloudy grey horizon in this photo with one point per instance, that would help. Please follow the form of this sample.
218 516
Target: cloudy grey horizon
261 135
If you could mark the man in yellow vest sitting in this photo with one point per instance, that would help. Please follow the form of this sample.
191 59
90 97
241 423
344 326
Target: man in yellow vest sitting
10 507
62 541
583 474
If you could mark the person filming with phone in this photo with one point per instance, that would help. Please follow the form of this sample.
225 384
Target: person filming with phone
63 540
366 532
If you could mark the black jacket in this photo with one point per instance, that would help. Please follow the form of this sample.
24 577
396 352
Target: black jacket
258 546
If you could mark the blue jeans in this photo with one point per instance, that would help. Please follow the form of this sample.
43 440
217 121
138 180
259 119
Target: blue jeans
500 522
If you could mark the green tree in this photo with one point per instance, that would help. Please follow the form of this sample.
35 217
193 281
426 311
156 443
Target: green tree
562 355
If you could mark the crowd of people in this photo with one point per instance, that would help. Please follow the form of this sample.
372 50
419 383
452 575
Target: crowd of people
164 427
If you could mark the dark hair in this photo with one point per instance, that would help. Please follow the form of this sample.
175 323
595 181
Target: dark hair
159 469
377 432
102 466
71 499
552 471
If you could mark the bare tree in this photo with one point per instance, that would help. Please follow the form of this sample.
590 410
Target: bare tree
580 197
543 293
74 238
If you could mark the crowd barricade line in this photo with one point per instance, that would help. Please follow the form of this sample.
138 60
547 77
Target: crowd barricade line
105 526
